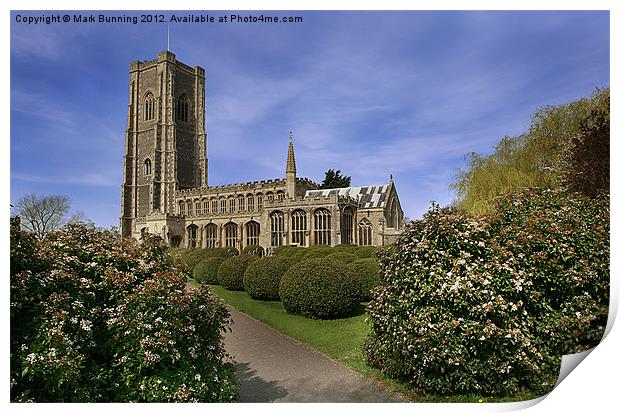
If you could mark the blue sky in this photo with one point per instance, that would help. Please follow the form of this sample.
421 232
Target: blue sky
370 93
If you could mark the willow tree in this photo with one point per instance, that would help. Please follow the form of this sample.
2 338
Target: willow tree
537 158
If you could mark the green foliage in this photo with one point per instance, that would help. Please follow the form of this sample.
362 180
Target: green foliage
98 318
334 179
261 279
320 288
587 169
534 159
205 272
366 252
487 306
254 250
561 242
230 273
193 256
315 251
285 250
449 317
366 270
343 257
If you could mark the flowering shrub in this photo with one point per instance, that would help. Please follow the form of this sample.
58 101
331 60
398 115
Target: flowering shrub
96 318
230 274
205 272
487 306
261 279
367 273
320 288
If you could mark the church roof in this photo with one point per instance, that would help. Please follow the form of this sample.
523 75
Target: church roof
372 196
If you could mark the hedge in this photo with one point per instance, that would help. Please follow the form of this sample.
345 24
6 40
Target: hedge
366 271
320 288
261 279
205 272
343 257
194 256
230 273
254 250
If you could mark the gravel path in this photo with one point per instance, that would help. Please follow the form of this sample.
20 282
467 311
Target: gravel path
274 368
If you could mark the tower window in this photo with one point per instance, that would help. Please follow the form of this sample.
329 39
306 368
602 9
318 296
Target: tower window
149 107
147 166
182 109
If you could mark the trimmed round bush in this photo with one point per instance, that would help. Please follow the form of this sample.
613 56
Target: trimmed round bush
230 273
205 272
366 251
261 279
320 288
193 256
367 272
254 250
285 250
344 257
317 251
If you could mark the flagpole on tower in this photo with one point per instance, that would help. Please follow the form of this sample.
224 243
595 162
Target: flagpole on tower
168 32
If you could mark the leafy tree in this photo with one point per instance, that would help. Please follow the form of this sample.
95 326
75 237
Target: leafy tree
334 179
536 158
588 161
42 214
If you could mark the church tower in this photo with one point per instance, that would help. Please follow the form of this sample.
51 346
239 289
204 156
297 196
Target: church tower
165 140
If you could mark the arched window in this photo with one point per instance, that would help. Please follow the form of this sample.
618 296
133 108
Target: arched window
147 166
346 226
322 227
223 205
280 195
252 229
277 228
181 208
192 233
190 211
149 107
365 232
210 235
230 234
198 207
214 205
232 204
182 109
250 202
241 203
259 201
269 196
299 226
205 206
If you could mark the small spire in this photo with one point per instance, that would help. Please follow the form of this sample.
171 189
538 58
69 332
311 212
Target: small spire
391 178
290 160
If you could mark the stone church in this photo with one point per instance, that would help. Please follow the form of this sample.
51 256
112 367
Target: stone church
165 189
